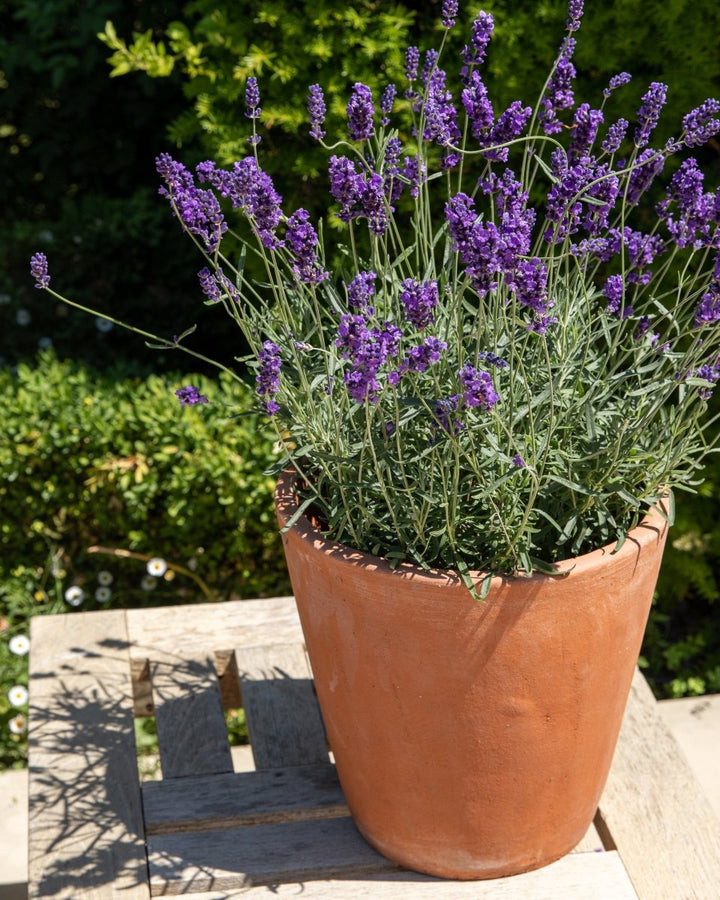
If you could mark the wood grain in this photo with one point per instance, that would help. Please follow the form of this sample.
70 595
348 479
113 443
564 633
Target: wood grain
248 798
86 829
589 876
281 710
214 626
263 854
655 812
191 729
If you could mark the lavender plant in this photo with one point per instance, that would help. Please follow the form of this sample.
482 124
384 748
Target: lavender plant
506 365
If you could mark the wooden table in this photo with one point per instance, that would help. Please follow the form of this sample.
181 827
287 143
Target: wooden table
282 830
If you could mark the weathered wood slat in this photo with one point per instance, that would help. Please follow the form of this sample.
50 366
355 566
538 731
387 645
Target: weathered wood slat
191 729
247 798
644 809
263 854
86 835
281 710
587 876
214 626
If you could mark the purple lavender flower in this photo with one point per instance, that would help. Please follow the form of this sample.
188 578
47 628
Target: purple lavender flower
617 81
529 283
643 328
648 166
482 29
694 224
268 377
614 292
477 242
302 240
492 359
358 195
585 128
250 189
345 187
443 415
559 94
710 372
708 310
518 461
615 136
584 187
226 285
649 113
575 11
477 105
509 126
316 111
360 289
373 203
39 270
431 58
415 173
449 12
252 99
198 210
419 298
367 350
386 104
540 324
440 113
699 125
209 285
190 395
360 112
426 354
478 388
412 62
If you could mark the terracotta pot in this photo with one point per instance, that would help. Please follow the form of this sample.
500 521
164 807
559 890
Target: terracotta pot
472 739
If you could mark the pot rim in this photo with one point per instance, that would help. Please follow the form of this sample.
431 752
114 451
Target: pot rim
651 529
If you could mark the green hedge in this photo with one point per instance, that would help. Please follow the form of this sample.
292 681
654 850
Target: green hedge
89 459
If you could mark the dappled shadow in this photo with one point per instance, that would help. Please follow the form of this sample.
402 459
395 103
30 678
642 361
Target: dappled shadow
85 811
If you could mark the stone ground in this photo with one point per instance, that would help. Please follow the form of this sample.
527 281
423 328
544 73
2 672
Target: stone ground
695 722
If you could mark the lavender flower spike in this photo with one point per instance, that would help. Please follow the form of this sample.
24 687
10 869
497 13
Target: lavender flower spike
649 113
482 29
190 395
360 112
617 81
268 378
316 111
39 270
699 125
575 11
252 99
449 12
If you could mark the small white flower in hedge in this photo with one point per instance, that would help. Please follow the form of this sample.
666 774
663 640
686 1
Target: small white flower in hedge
149 583
18 695
74 595
105 577
18 724
44 343
23 317
19 645
103 594
157 567
103 325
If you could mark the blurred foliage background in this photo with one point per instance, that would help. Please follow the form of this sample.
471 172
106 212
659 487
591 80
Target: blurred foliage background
94 449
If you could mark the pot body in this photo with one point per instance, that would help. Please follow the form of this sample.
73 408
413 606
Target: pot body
472 739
